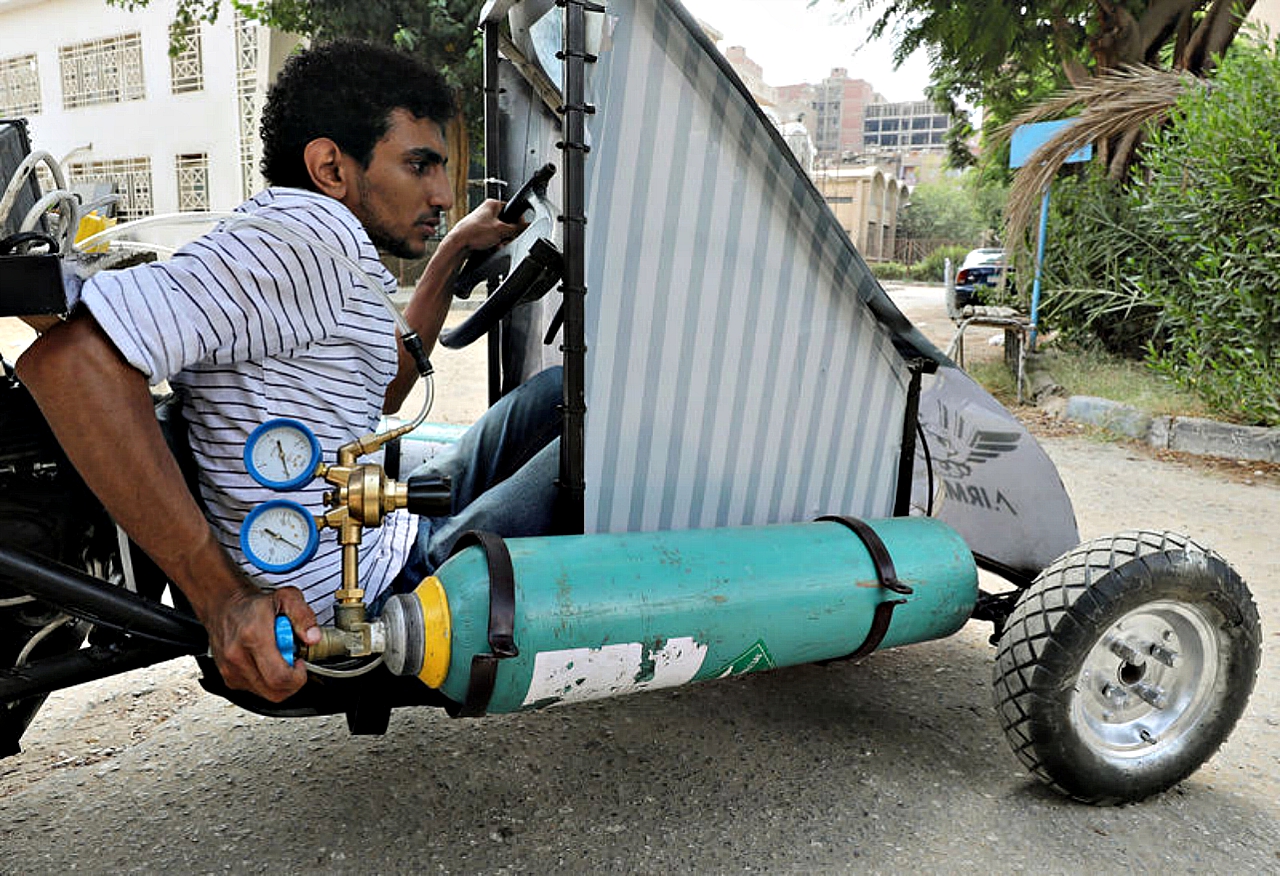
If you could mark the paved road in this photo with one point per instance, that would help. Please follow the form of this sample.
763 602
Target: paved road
895 764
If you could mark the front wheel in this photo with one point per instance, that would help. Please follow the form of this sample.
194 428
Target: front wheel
1125 665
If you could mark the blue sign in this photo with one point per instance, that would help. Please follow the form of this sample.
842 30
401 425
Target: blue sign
1028 138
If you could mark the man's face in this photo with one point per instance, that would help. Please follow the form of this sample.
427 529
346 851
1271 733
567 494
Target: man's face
400 196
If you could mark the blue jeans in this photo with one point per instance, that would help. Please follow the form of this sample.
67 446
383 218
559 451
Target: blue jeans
504 472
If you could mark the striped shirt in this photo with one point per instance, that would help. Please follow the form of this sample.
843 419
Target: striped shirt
252 326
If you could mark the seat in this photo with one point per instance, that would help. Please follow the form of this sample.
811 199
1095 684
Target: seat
1017 335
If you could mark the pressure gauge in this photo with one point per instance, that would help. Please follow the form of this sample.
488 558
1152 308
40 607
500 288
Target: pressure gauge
282 454
279 536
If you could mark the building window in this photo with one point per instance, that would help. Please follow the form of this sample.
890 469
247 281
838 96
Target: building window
19 86
102 71
130 178
193 182
186 69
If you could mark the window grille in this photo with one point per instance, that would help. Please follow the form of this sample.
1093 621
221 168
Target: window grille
19 86
247 99
102 71
186 69
130 177
193 182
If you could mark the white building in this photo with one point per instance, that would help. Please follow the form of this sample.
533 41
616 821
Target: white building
101 93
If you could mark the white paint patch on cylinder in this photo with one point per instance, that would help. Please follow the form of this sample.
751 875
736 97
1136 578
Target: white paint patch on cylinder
580 674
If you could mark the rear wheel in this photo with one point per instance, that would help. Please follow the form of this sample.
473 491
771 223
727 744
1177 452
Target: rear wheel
1125 665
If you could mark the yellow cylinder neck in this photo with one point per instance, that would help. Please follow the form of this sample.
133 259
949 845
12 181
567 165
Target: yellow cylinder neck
438 631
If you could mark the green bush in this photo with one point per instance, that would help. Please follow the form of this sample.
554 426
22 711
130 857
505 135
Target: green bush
1181 268
930 268
1102 257
890 270
1213 192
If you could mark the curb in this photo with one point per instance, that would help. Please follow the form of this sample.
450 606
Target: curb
1186 434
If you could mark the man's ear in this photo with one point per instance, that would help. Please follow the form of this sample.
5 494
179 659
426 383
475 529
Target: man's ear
328 167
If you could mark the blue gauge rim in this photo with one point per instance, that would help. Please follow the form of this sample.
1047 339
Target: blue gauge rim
313 540
295 482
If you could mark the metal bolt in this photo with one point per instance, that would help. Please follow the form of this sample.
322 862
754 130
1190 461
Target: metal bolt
1126 652
1167 656
1151 695
1116 694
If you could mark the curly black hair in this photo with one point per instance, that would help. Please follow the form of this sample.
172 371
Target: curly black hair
344 90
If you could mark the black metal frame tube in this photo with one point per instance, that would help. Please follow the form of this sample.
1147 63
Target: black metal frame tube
492 188
90 599
573 149
48 674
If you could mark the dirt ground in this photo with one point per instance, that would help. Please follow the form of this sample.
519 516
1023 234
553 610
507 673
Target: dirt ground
889 765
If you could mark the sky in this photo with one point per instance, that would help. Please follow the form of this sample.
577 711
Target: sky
796 43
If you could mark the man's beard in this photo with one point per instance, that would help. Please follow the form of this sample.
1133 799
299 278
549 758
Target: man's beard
392 245
383 239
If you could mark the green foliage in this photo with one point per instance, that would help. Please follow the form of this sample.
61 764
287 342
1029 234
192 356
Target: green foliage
890 270
1213 192
1181 268
1007 55
1084 369
953 208
1102 257
930 269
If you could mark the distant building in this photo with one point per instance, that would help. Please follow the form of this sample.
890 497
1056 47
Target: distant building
752 76
918 125
801 144
98 87
833 110
911 166
865 200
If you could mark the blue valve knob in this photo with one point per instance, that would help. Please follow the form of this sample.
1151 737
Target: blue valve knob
284 638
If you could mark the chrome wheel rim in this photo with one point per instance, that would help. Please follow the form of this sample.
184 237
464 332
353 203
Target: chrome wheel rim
1148 680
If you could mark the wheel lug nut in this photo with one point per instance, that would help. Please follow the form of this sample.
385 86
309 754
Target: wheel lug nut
1151 695
1167 656
1125 651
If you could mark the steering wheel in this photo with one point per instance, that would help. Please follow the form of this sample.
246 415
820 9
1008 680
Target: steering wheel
485 265
532 278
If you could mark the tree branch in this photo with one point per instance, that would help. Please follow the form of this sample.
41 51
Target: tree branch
1215 32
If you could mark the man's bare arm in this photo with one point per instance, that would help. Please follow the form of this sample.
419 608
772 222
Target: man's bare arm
100 408
429 305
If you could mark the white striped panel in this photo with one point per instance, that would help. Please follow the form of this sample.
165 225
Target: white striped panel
696 327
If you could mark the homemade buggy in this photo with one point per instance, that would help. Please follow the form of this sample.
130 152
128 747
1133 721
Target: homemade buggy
763 462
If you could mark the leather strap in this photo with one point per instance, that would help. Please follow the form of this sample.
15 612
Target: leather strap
886 574
502 614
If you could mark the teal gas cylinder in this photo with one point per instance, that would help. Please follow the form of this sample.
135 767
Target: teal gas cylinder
605 615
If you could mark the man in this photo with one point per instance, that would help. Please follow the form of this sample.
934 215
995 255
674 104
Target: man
251 325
